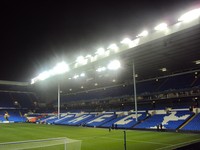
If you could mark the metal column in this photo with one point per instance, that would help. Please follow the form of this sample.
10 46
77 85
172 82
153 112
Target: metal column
135 93
58 100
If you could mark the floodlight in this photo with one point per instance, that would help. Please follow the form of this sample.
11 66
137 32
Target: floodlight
113 47
143 34
82 74
191 15
126 41
101 69
44 75
81 60
88 56
94 58
69 78
197 62
161 27
163 69
113 80
70 89
114 65
76 76
82 87
100 51
33 80
95 84
60 68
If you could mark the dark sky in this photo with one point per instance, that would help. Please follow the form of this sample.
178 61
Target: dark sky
37 34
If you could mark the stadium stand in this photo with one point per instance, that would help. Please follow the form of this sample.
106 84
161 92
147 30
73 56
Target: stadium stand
129 121
171 120
80 120
101 119
64 119
193 125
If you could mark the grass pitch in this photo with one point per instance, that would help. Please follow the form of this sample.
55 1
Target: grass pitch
96 138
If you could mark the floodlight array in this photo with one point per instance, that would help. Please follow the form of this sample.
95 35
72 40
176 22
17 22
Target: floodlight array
76 76
113 65
189 16
60 68
161 27
113 48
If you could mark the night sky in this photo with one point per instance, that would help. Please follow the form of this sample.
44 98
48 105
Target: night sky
37 34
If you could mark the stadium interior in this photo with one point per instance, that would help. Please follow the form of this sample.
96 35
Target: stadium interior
166 71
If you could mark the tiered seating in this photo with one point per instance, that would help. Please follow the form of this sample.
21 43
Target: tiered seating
64 119
173 120
194 124
100 120
152 122
14 116
51 120
129 120
110 123
80 120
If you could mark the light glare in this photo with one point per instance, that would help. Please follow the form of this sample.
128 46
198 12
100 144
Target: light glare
191 15
44 75
60 68
126 41
161 27
114 65
81 60
143 33
82 74
113 47
76 76
100 51
101 69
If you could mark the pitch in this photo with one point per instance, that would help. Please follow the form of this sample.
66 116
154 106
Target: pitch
97 138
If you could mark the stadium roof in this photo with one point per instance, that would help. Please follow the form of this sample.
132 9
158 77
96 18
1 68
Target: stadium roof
157 55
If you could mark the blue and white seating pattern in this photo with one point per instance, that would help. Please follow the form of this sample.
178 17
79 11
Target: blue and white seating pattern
100 120
194 124
80 119
169 121
129 120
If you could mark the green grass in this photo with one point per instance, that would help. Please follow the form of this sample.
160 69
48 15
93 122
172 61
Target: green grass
97 139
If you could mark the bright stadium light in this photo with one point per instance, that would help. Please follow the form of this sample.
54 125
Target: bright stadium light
114 65
33 80
82 75
81 60
161 27
76 76
60 68
107 53
113 47
101 69
44 75
89 57
100 51
191 15
126 41
143 34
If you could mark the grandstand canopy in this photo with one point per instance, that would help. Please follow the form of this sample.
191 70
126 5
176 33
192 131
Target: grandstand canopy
175 53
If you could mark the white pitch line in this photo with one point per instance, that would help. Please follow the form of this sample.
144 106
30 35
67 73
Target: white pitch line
137 141
174 145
